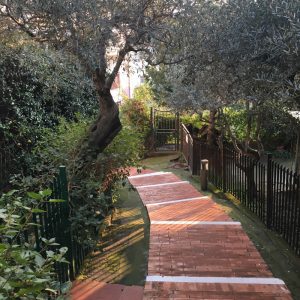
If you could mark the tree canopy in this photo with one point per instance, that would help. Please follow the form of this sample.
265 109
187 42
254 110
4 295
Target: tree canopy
100 33
238 50
238 53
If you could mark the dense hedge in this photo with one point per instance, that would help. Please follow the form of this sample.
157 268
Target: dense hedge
38 86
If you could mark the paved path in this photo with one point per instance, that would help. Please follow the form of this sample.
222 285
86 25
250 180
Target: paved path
96 290
196 250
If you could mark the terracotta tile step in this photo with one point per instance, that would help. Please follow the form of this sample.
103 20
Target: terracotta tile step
132 293
166 178
95 290
196 210
224 291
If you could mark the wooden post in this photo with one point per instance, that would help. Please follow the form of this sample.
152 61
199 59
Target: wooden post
269 191
204 175
195 158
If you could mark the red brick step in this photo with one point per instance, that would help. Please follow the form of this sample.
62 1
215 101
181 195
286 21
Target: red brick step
96 290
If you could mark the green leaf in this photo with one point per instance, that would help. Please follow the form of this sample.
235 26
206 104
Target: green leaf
11 232
34 224
3 214
34 195
63 250
50 253
37 210
39 260
10 193
57 200
40 280
45 193
3 247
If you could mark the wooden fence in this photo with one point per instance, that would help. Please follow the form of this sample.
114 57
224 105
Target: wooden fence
265 187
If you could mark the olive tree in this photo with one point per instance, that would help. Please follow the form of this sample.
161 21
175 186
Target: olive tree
238 50
101 34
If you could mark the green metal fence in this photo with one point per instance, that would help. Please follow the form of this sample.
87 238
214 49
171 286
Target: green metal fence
54 223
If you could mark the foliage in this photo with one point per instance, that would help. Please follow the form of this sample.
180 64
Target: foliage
58 146
94 196
238 121
237 51
144 93
135 113
123 153
96 28
100 34
159 84
38 86
26 273
193 119
276 127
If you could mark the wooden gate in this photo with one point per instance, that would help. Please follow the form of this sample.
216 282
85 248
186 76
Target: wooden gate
165 128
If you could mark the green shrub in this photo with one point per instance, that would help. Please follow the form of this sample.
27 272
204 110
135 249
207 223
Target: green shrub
136 115
93 197
193 119
37 87
26 273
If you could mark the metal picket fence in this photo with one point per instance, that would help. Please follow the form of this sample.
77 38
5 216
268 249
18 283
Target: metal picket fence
265 187
54 223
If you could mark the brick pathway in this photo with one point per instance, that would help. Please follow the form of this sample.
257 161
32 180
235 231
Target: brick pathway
97 290
196 250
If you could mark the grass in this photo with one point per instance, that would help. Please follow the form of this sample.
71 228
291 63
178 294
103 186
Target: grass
122 252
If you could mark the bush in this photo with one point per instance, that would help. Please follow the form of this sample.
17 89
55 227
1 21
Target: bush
93 197
26 273
136 115
38 87
193 120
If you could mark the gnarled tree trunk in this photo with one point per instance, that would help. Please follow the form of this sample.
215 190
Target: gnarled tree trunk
107 125
211 138
101 133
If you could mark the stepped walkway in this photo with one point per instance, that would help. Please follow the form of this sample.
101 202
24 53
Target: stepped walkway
97 290
196 250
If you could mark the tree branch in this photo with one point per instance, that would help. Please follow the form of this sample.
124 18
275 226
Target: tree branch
22 26
120 59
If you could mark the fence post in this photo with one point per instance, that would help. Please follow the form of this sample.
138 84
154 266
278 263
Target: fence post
195 158
204 175
181 138
177 132
269 191
223 154
65 196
